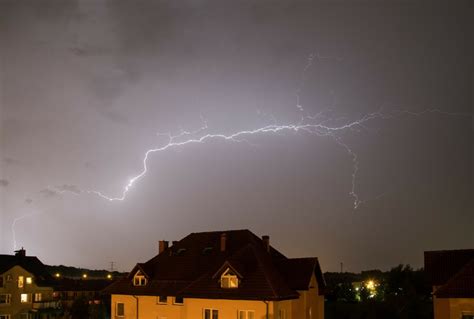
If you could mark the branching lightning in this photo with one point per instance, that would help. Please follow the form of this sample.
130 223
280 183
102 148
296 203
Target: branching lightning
323 124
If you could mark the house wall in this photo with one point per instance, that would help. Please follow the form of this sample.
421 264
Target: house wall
192 308
15 308
452 308
309 306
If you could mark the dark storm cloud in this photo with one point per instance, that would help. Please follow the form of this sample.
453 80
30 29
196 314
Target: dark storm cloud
4 182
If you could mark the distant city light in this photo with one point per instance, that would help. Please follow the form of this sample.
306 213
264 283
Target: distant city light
109 276
84 276
57 275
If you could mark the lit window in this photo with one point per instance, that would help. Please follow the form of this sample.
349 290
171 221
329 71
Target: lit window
162 299
25 298
120 311
37 297
29 280
229 280
178 300
21 280
246 314
4 316
210 313
139 279
5 299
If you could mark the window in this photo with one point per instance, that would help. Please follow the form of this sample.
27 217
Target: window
25 316
466 316
25 298
4 316
178 300
246 314
229 279
37 297
9 278
162 299
21 281
29 280
210 314
139 279
5 299
1 281
120 311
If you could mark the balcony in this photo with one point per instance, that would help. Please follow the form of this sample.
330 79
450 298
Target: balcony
47 305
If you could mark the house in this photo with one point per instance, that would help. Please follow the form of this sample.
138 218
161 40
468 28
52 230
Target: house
26 288
451 273
220 275
87 291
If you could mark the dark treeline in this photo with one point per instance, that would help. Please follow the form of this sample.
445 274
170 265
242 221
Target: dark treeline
399 293
73 272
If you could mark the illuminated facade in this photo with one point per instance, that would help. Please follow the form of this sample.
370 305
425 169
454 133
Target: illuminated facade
215 275
452 277
26 289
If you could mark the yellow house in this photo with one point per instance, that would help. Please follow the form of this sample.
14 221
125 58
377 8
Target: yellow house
25 288
452 276
220 275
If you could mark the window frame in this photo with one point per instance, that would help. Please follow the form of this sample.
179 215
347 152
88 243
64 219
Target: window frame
139 279
21 281
29 280
227 279
175 302
36 295
28 298
117 309
211 313
8 299
246 312
159 302
5 316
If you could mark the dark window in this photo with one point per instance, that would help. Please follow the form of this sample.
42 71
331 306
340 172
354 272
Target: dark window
120 309
211 314
162 299
1 281
178 300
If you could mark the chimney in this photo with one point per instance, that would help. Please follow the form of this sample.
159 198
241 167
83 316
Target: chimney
266 242
20 253
163 245
223 241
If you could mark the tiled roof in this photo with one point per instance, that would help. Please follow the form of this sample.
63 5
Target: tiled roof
441 265
67 284
460 285
189 269
29 263
452 271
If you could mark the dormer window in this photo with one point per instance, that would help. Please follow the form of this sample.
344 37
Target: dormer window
139 279
229 279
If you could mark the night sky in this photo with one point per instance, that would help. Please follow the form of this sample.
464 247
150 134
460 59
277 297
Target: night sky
86 86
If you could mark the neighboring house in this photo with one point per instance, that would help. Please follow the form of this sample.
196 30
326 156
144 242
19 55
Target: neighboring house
26 288
220 275
452 276
88 291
